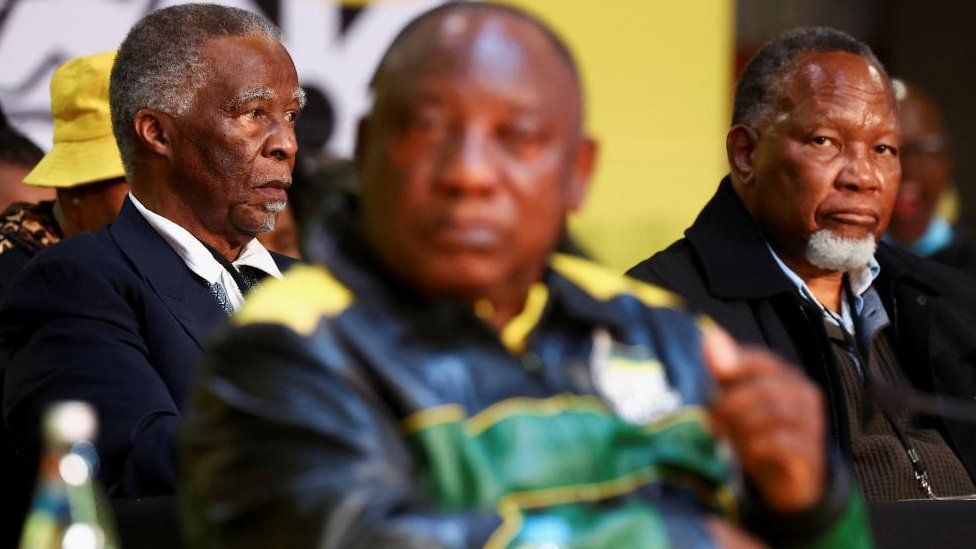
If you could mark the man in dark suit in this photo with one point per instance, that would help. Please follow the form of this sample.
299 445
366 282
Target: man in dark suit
203 102
785 255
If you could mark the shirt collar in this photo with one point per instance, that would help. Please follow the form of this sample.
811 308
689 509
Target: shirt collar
859 282
196 256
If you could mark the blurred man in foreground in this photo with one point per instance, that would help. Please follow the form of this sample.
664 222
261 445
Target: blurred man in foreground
443 381
203 102
926 176
83 166
784 255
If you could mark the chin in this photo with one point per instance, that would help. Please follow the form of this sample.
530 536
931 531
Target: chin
467 278
831 250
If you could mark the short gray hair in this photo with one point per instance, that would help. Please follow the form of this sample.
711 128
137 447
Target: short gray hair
759 87
159 67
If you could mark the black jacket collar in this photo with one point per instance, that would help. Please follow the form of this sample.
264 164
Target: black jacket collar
737 263
733 253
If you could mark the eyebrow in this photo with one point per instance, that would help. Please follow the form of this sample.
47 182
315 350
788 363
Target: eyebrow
262 92
299 95
245 96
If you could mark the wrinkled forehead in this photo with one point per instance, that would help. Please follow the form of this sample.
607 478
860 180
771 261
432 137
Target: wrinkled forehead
498 52
243 67
838 75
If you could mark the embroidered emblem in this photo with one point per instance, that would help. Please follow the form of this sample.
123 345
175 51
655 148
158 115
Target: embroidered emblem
631 380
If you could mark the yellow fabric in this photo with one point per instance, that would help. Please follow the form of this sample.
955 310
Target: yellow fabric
515 334
299 300
604 284
432 417
84 148
658 77
518 406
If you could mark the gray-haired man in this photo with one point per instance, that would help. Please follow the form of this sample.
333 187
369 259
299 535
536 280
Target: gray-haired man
785 255
203 100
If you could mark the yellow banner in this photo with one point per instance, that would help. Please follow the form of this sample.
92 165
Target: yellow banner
658 77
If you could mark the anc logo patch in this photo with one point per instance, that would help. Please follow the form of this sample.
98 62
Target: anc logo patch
631 380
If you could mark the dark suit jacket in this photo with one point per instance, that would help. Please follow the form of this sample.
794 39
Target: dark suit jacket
724 269
117 319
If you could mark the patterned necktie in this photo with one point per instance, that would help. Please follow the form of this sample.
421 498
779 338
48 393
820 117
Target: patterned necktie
247 277
220 296
250 276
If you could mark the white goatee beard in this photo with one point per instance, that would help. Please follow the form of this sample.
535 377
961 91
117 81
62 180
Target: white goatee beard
833 252
273 209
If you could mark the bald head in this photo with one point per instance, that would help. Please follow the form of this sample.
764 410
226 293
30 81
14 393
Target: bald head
473 153
458 36
925 161
921 119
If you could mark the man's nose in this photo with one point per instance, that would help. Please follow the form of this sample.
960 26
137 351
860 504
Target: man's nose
861 173
281 143
466 165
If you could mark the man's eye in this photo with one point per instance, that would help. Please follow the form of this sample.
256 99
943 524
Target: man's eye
291 116
426 121
523 140
820 140
886 149
256 112
516 134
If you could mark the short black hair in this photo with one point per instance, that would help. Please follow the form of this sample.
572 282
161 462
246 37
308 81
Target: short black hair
565 53
16 148
758 87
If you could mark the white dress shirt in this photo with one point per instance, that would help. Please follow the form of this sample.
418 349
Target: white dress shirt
199 259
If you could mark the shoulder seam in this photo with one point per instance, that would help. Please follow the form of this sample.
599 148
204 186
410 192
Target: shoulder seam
300 300
604 284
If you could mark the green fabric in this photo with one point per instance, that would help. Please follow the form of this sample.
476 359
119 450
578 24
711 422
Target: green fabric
850 532
537 459
527 452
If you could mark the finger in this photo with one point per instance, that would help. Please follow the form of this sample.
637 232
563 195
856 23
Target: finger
720 351
766 405
730 363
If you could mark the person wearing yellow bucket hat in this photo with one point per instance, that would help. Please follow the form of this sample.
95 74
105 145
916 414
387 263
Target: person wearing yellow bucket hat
83 166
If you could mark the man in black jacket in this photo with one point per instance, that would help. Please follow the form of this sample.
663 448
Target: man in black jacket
785 255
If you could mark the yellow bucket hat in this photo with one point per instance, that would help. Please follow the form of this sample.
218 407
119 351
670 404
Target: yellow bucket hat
84 148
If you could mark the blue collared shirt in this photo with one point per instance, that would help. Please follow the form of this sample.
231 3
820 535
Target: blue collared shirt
860 284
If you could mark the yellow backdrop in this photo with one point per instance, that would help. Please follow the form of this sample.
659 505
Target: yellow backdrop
658 77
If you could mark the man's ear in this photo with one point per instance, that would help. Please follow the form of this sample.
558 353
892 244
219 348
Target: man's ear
154 129
584 161
740 145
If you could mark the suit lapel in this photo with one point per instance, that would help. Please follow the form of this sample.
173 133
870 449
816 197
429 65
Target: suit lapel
179 289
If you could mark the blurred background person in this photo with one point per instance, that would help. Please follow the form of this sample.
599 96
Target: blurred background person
83 166
18 156
926 180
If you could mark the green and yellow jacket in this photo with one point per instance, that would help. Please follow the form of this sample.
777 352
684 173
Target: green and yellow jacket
343 410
